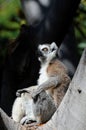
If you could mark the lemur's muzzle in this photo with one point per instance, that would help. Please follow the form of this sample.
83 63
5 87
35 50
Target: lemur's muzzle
39 53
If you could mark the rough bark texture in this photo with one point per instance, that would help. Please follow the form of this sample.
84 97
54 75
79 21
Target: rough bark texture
71 114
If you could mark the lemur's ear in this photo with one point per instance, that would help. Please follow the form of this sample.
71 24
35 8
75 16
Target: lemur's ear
54 46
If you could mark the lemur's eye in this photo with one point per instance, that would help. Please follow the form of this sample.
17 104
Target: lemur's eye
45 49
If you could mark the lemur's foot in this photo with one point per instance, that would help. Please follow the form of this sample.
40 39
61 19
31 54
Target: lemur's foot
33 124
26 120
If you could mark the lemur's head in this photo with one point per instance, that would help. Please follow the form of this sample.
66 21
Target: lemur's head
46 52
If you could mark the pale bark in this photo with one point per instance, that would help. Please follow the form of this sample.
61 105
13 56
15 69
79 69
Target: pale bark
7 123
71 114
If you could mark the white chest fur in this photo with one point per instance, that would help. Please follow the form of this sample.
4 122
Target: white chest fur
43 74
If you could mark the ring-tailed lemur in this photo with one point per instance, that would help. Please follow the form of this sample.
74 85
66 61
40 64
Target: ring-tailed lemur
53 79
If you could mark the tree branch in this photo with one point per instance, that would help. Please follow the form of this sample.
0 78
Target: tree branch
7 123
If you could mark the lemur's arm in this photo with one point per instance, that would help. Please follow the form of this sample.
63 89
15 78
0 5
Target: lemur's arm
51 83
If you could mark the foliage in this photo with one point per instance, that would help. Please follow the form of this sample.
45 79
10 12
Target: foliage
10 19
80 26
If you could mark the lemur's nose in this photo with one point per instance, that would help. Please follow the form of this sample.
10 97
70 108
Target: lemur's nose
39 53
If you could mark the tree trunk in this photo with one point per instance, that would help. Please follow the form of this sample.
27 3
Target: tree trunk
71 114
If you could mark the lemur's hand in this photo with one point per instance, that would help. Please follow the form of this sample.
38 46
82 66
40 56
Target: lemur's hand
20 91
26 90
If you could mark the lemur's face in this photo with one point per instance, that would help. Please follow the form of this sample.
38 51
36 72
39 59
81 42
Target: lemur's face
47 52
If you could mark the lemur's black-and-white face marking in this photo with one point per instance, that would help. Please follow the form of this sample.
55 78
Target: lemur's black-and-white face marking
47 52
